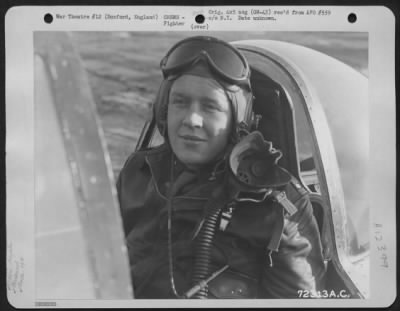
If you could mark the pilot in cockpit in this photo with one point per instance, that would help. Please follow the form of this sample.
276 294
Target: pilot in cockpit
210 213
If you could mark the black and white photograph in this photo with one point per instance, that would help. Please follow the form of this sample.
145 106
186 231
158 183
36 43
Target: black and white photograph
212 165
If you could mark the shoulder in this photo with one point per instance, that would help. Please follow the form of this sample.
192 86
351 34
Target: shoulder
137 160
135 176
295 190
298 195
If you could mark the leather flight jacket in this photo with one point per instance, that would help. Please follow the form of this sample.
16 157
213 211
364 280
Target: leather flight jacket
270 253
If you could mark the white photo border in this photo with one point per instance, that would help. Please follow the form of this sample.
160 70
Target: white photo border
378 22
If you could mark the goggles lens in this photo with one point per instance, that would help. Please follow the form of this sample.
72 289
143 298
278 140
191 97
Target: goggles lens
223 57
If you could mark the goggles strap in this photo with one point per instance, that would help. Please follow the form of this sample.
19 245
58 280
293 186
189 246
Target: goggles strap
213 65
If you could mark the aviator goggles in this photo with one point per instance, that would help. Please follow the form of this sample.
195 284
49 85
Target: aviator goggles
223 59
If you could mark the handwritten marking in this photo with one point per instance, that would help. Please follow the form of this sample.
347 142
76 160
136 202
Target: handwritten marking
15 271
380 245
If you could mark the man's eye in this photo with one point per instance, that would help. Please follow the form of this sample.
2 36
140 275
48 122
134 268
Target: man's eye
210 108
178 102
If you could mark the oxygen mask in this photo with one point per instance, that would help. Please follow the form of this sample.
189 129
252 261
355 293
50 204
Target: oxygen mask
254 169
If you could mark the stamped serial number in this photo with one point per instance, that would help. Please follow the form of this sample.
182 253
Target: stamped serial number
304 293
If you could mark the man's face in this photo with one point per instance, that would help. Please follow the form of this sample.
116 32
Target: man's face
199 120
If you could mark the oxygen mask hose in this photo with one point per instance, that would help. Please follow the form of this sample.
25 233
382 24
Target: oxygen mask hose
201 269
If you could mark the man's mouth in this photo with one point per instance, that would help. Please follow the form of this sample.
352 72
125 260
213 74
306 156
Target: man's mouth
191 138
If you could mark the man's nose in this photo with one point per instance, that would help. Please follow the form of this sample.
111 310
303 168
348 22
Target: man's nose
193 117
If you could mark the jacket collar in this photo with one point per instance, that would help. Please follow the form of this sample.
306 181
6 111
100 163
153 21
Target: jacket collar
162 158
